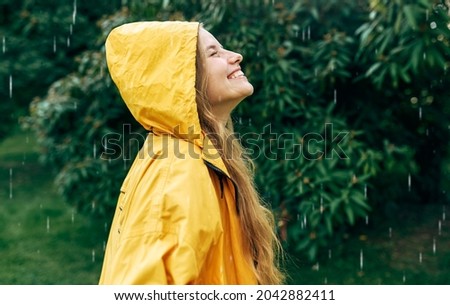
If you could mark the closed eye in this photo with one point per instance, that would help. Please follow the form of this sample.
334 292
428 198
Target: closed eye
214 50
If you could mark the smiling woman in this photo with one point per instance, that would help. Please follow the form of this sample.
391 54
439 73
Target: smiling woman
188 212
227 84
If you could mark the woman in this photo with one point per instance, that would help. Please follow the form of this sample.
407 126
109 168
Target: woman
188 212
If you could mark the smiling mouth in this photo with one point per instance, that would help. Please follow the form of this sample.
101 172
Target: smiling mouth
236 74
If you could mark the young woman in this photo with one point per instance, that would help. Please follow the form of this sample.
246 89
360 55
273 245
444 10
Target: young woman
188 212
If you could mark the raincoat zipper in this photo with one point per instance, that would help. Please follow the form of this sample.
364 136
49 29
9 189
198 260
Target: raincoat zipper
221 174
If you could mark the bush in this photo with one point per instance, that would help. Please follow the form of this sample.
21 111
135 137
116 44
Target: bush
39 42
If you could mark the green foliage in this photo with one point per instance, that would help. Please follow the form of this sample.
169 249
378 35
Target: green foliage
346 111
39 40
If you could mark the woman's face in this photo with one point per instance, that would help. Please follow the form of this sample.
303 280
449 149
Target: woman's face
227 84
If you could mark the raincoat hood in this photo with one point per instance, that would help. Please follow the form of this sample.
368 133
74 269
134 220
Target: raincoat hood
153 65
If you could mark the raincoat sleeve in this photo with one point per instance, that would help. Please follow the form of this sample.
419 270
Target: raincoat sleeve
181 223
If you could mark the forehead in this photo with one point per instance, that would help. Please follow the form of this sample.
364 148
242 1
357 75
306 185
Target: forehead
206 39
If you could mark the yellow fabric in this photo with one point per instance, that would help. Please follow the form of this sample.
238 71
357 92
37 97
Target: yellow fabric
176 220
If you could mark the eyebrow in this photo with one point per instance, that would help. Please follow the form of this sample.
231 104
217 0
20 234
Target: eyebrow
213 46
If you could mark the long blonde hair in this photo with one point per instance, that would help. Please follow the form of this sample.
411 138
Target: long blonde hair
257 221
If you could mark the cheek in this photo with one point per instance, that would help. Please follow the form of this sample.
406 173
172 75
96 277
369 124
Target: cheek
214 88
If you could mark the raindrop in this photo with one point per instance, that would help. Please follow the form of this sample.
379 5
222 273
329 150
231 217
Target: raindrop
105 145
365 191
361 260
71 29
420 257
304 220
316 267
54 44
104 246
329 253
420 113
250 122
433 25
426 15
4 45
93 205
296 33
94 150
309 32
240 120
10 184
106 227
303 34
68 41
404 277
434 245
10 86
298 217
48 224
321 208
443 213
93 256
74 14
75 105
325 280
72 218
335 96
390 232
424 55
409 182
367 220
439 227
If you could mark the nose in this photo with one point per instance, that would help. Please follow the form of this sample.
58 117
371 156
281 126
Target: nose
234 57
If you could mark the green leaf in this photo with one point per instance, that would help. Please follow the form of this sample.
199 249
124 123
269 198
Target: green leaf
360 201
350 214
408 10
373 68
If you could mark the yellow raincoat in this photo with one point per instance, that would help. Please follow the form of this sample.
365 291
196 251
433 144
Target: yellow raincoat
176 220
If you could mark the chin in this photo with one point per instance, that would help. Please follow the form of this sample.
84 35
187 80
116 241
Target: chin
249 90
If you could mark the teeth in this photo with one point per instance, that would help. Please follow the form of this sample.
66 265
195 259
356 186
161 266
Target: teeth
236 74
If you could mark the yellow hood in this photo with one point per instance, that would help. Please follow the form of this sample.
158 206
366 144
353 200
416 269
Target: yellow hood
153 65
